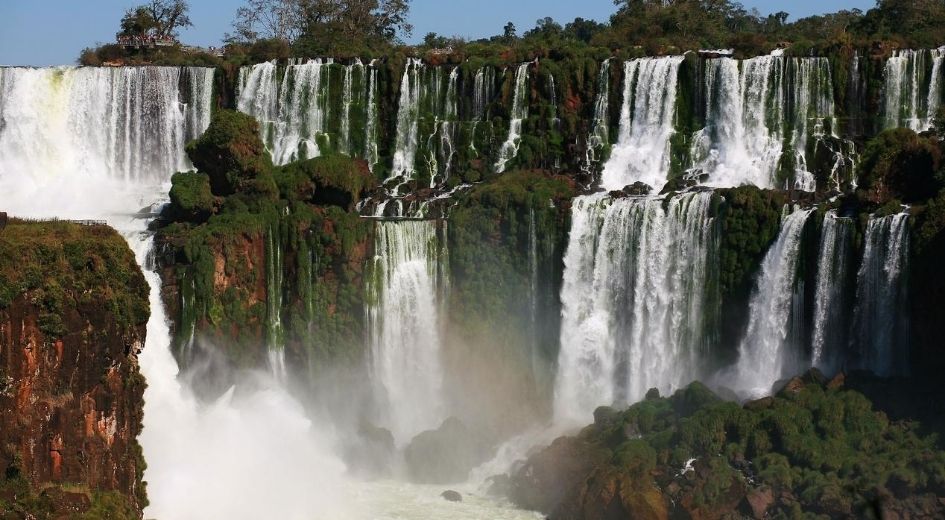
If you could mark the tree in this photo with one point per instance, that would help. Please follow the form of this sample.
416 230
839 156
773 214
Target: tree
158 18
269 19
509 33
583 30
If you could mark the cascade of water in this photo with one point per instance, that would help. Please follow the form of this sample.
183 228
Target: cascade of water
881 322
370 128
646 124
812 115
274 333
553 93
533 284
440 146
347 99
600 126
483 91
404 318
766 353
200 81
908 74
408 119
830 332
69 131
519 113
634 299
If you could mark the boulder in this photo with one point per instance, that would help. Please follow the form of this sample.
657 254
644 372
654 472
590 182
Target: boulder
445 455
452 496
371 454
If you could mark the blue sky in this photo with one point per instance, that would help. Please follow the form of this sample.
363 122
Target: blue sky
52 32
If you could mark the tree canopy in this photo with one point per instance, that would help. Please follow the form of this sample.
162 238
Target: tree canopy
157 18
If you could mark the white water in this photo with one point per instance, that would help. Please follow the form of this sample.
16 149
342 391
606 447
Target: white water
766 353
370 127
634 294
404 319
408 120
750 111
519 113
913 88
647 120
600 125
101 144
836 241
881 297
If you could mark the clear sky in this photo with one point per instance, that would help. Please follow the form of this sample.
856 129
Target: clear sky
53 32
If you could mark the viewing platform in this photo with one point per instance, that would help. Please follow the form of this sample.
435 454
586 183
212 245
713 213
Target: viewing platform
147 42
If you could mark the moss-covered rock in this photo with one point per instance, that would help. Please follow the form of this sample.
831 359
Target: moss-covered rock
329 180
191 199
900 164
231 153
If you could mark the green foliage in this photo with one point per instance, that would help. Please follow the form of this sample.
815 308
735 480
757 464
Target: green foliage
327 180
233 155
749 220
60 267
901 164
191 199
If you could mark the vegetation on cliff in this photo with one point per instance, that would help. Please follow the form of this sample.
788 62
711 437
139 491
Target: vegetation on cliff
814 450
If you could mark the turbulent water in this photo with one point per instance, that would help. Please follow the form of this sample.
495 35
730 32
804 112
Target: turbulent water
646 124
769 350
634 294
882 302
404 316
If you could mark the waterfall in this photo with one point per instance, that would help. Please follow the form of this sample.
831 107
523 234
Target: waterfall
445 109
830 304
404 319
882 303
65 132
347 99
913 88
768 351
483 92
519 113
600 125
408 119
634 298
370 127
646 124
274 332
751 110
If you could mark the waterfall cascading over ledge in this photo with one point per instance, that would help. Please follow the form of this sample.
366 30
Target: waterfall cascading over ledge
405 293
831 317
519 113
771 347
637 280
914 88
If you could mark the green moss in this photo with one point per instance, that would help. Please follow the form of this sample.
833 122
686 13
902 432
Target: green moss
191 199
231 153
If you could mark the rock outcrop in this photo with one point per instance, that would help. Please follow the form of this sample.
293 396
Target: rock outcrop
73 310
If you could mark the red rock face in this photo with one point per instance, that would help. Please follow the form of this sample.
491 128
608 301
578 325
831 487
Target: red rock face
71 407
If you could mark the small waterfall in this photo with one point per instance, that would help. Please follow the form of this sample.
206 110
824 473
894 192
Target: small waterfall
404 317
882 303
483 92
347 99
830 304
408 121
519 113
200 104
274 290
634 299
646 124
812 116
293 114
768 353
913 88
534 277
600 126
440 145
370 127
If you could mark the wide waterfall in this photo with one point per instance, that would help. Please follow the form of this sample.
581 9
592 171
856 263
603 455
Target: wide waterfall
647 121
304 114
751 109
830 328
69 131
637 273
518 115
914 88
769 350
404 318
882 304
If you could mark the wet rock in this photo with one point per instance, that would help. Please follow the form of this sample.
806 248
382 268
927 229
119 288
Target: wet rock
452 496
445 455
371 454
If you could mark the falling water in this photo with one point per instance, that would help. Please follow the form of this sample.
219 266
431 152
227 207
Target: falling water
404 317
830 332
408 119
913 87
483 91
646 124
274 333
600 126
882 303
370 127
811 114
766 353
634 297
518 115
347 99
